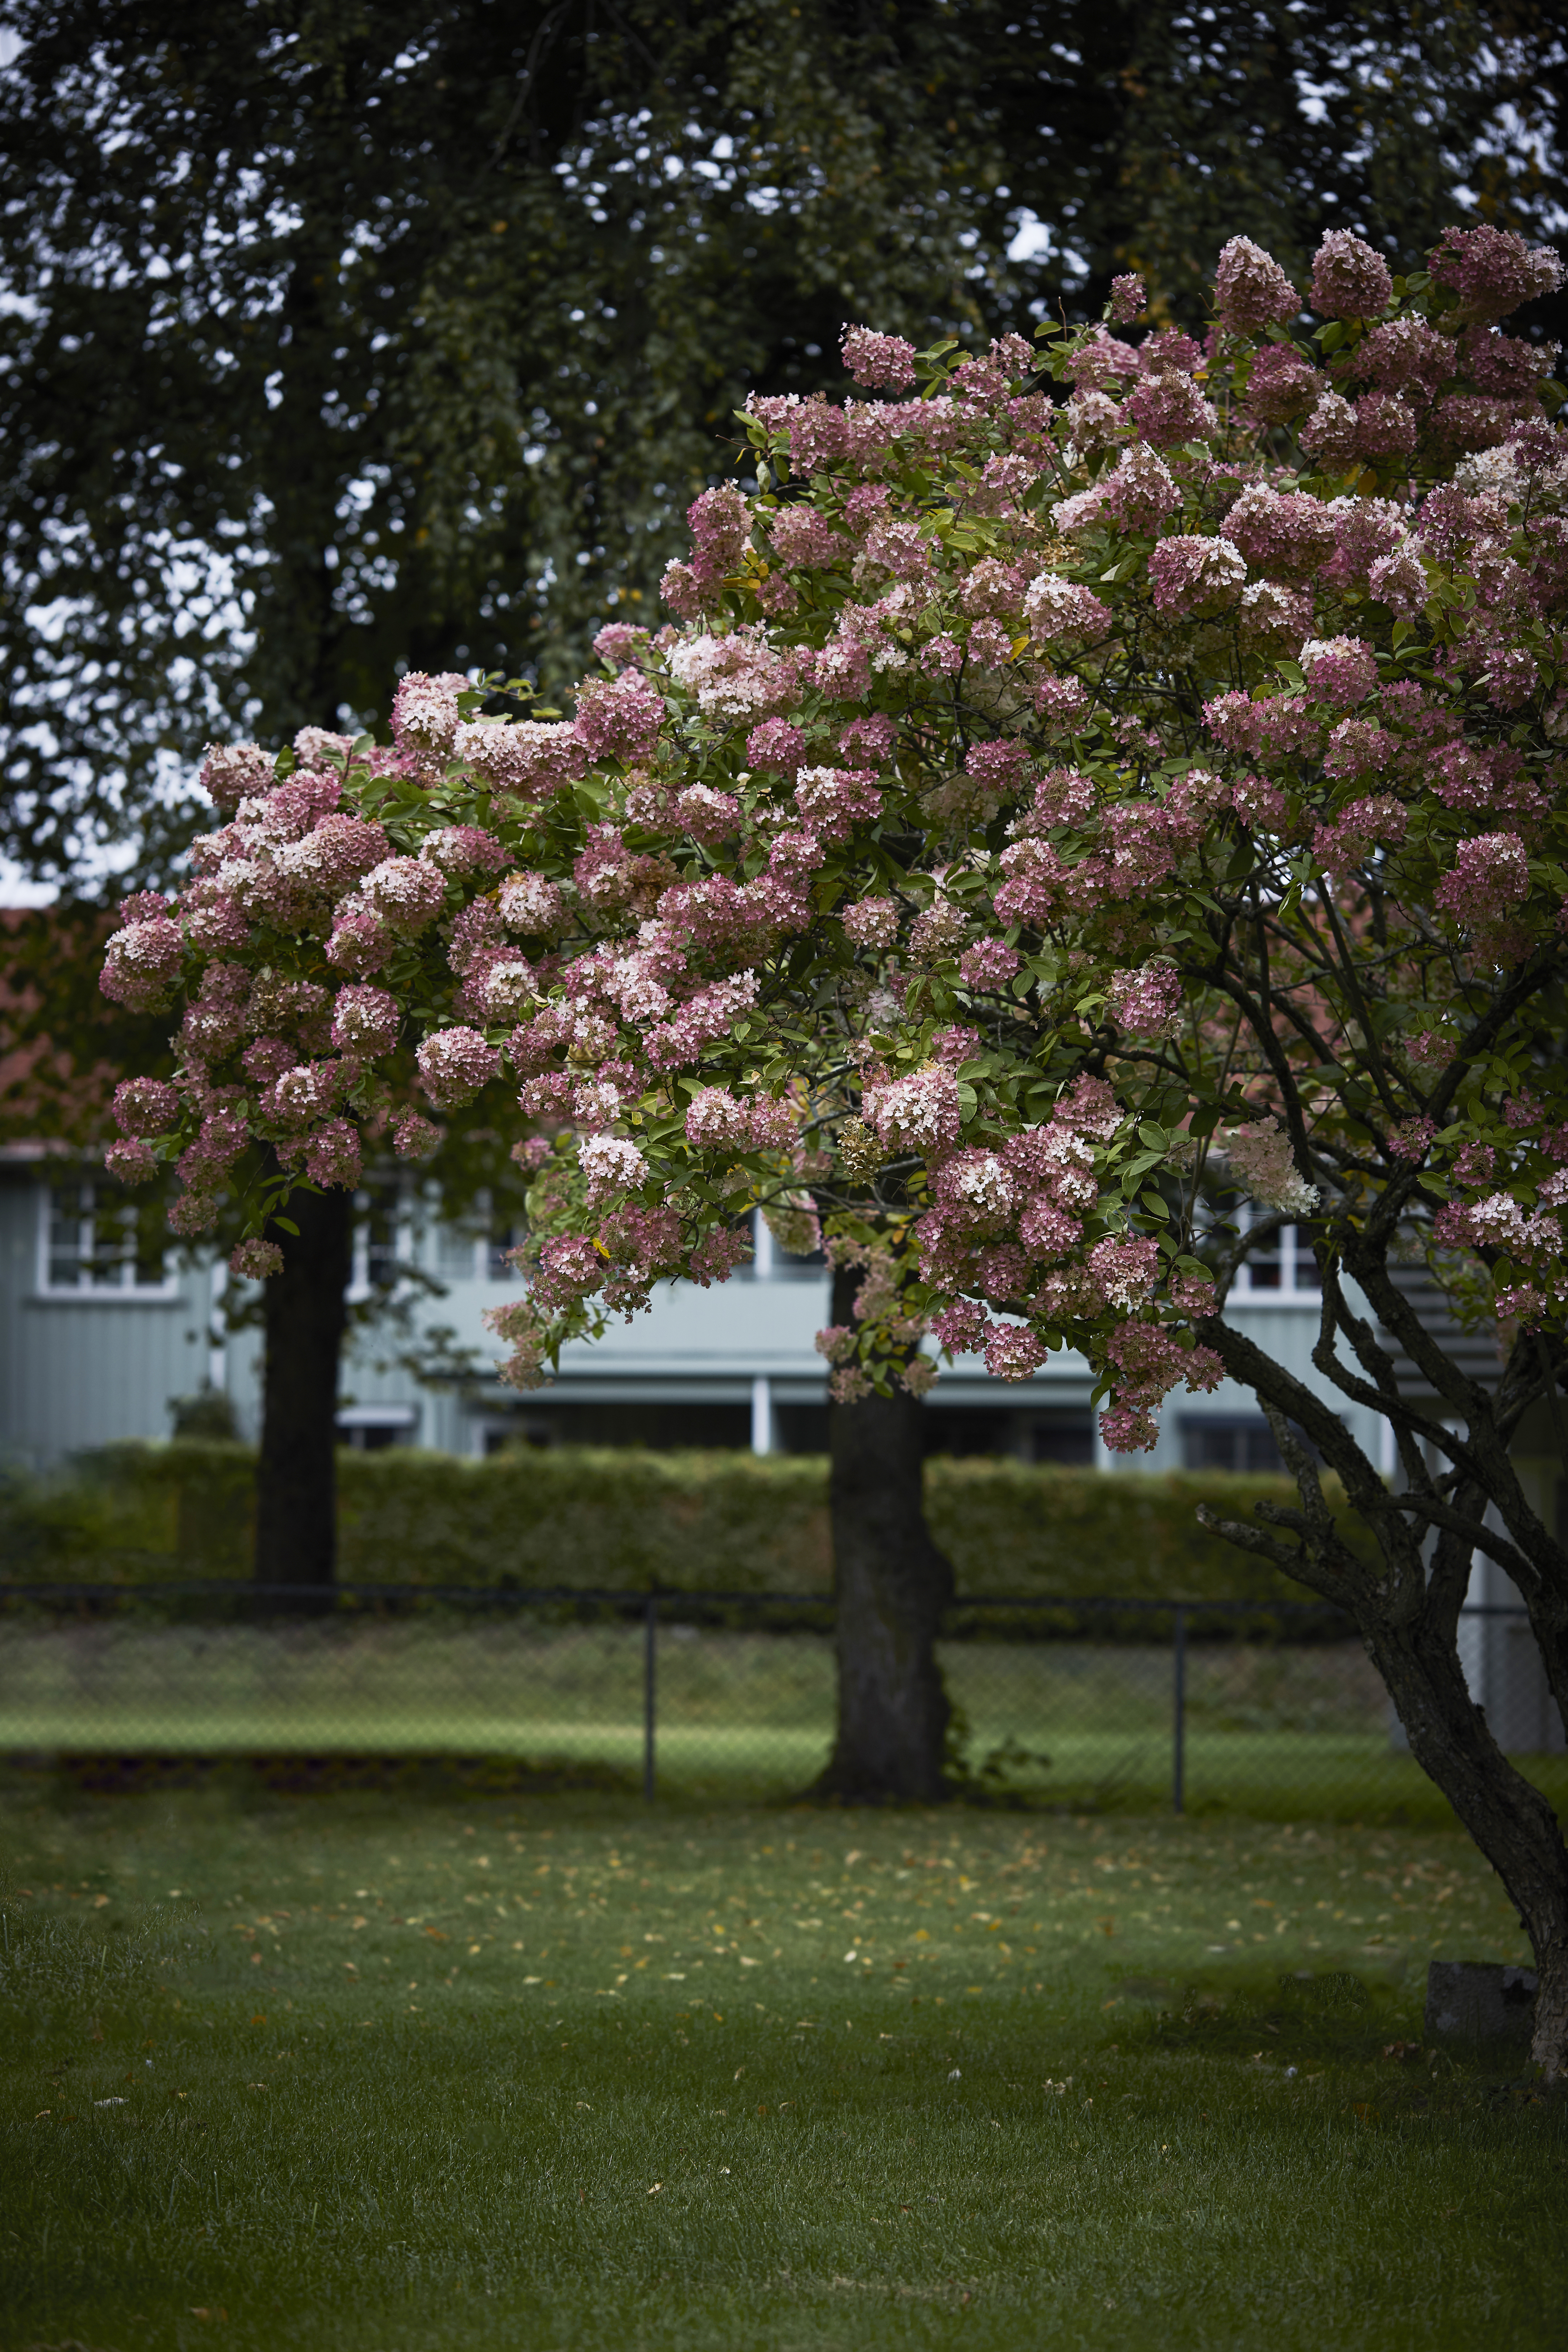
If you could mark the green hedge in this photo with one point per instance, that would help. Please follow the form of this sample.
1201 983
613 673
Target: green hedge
588 1516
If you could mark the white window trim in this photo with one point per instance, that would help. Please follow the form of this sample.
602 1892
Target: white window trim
93 1294
1293 1252
404 1241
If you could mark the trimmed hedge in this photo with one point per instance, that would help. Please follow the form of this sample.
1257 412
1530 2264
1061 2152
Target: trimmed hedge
684 1522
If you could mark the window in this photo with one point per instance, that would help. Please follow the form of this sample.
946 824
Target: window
1227 1442
1281 1267
770 1263
96 1244
370 1428
503 1235
474 1244
383 1241
455 1252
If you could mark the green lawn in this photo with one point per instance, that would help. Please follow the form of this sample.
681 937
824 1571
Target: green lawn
1276 1731
389 2078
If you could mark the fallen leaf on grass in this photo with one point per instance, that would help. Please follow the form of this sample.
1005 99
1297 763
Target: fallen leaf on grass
208 2311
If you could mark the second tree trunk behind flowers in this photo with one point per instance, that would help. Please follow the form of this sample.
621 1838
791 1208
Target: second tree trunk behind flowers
306 1315
891 1582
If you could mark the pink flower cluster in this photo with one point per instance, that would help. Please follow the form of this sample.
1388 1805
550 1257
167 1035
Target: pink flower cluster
1148 1002
141 963
1280 385
366 1020
1351 278
145 1107
717 1121
454 1065
1128 296
871 922
527 759
1251 292
1060 613
425 717
1493 270
1193 575
463 849
619 718
230 772
921 1113
618 645
885 359
1150 1361
612 1166
1288 536
833 801
1489 880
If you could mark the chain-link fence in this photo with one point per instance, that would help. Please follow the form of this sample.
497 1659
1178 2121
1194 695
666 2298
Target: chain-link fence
1084 1705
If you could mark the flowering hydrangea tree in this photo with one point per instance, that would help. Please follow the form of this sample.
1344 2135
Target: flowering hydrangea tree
1092 782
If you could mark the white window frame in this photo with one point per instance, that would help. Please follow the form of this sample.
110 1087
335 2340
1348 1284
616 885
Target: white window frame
404 1225
479 1241
83 1291
1295 1256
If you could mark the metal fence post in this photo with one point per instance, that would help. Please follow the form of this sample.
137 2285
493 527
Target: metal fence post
1179 1712
649 1693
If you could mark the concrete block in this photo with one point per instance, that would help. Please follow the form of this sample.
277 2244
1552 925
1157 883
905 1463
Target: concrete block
1479 2000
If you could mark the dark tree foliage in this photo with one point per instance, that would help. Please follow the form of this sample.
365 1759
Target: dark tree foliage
340 340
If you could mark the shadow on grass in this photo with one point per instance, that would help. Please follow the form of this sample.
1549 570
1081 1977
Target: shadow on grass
289 1774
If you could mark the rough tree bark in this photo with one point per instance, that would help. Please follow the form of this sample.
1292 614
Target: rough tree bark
1407 1602
892 1583
306 1316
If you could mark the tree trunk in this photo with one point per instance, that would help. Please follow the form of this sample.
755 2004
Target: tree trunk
1406 1606
1509 1820
306 1315
892 1583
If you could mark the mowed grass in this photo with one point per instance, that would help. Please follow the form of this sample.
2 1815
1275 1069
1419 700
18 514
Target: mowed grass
1271 1730
346 2073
